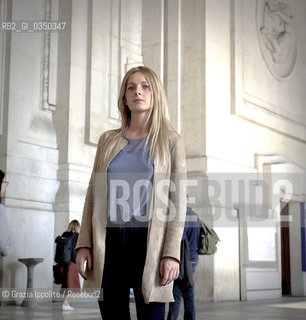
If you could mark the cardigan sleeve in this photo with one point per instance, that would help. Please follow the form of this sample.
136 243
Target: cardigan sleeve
85 236
177 199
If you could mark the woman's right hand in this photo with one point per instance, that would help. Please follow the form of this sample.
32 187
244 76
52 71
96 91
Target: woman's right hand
83 254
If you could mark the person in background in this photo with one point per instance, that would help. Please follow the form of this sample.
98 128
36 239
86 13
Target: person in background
70 275
128 240
183 286
5 238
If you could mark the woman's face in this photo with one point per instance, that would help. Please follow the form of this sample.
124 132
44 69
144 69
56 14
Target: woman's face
138 95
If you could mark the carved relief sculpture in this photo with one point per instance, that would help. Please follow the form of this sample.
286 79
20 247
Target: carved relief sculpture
275 28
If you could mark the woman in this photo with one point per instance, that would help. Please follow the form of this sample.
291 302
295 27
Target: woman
132 224
69 271
5 240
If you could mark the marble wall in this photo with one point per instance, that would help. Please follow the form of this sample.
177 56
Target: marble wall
29 153
251 85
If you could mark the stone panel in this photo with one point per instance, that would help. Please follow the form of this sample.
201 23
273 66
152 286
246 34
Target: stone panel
193 78
114 48
153 35
172 62
270 62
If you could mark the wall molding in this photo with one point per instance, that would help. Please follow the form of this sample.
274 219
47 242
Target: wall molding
49 52
3 39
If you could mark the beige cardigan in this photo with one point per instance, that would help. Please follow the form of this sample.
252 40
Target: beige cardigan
167 217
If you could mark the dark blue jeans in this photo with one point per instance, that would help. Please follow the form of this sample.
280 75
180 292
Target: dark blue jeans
125 256
186 294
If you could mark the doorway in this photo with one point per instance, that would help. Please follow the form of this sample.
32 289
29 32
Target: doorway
285 250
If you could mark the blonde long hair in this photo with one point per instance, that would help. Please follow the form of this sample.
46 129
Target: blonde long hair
74 226
158 136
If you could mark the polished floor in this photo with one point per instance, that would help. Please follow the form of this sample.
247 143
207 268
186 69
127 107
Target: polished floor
289 308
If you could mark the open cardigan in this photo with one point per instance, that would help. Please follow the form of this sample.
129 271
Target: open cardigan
167 216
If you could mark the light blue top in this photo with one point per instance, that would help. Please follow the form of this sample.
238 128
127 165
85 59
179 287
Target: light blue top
130 179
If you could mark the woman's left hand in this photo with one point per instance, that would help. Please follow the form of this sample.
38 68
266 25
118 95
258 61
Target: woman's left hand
169 269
